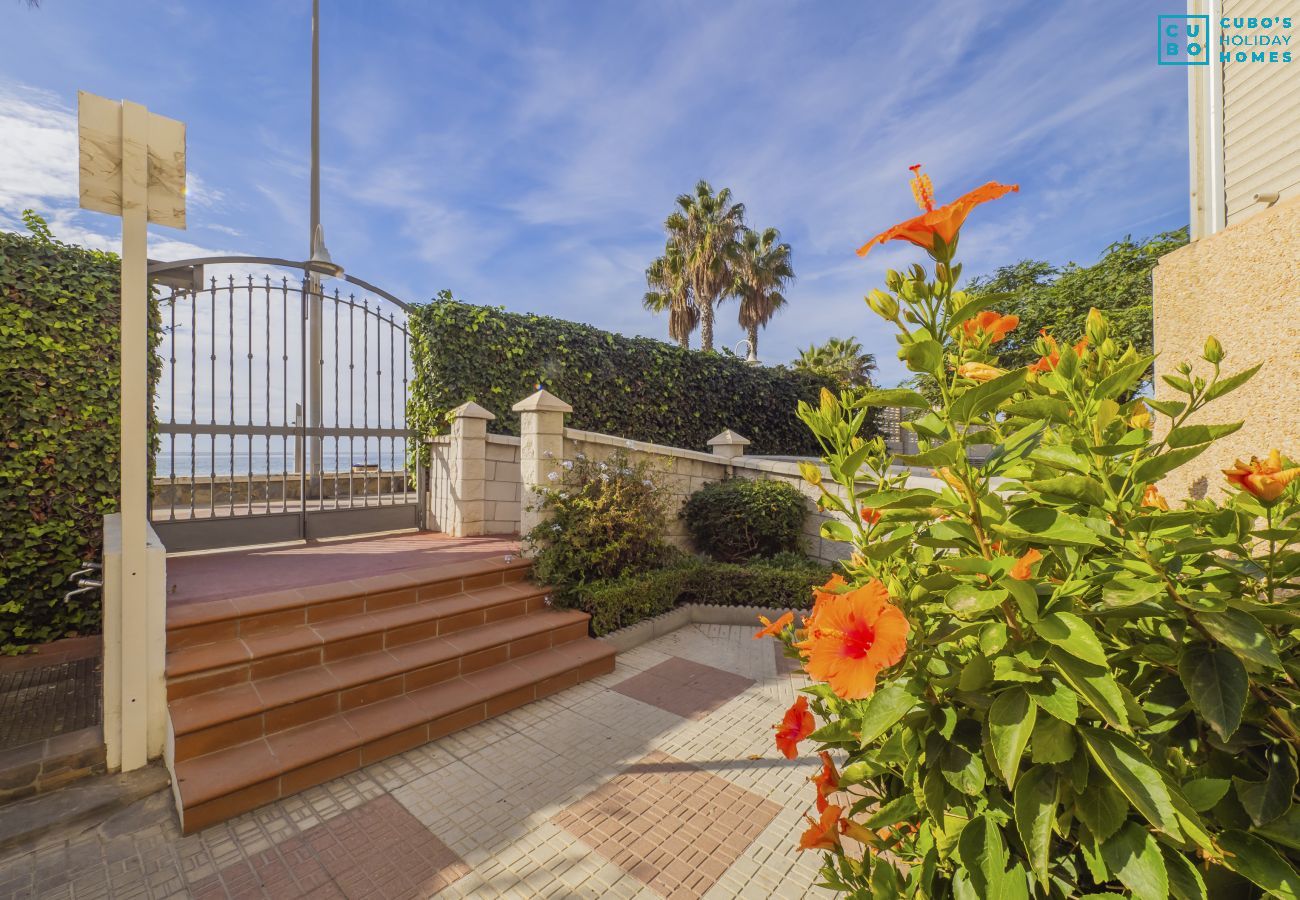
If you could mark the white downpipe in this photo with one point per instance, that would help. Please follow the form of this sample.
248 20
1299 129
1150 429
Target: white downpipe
1216 207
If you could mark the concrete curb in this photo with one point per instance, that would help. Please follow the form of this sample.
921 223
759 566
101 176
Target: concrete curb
690 613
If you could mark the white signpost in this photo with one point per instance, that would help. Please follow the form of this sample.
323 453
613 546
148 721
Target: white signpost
132 165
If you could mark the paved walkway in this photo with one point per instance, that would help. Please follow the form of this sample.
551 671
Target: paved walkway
658 780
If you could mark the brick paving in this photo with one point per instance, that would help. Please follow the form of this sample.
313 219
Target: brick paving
623 786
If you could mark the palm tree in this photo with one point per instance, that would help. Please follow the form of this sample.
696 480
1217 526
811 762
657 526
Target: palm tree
705 230
841 359
762 268
670 292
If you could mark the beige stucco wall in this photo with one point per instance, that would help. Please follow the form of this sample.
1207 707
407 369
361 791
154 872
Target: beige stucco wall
1243 286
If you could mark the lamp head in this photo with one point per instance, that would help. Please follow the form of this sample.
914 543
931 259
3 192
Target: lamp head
320 261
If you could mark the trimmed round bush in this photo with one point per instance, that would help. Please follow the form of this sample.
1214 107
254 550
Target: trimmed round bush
738 519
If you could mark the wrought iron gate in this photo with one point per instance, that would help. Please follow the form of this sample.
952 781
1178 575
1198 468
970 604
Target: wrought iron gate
253 445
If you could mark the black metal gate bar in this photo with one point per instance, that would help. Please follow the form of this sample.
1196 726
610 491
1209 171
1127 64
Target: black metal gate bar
317 493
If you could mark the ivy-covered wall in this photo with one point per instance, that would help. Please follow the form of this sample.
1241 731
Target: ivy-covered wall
59 314
637 388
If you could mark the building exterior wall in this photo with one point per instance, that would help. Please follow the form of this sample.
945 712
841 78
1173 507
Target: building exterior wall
1243 286
1244 126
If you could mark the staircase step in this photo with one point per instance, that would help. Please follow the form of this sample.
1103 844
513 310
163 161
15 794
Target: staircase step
225 782
208 621
199 668
266 705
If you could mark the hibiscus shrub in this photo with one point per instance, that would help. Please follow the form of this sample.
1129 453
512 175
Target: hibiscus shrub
1040 680
603 519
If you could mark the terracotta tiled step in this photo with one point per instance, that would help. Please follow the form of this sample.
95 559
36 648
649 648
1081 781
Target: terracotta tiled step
198 668
221 718
207 621
224 783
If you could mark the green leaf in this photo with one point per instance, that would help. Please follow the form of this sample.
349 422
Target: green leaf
1185 882
1241 633
924 356
1133 855
884 709
1284 830
1252 858
1052 741
976 674
963 769
1073 487
1035 811
1266 800
1025 595
1231 383
1122 380
1055 699
1102 808
1126 591
968 602
1010 723
1129 770
1044 525
1216 682
1154 468
835 530
1094 684
1203 793
983 855
1040 408
1073 635
1191 435
893 397
948 454
985 398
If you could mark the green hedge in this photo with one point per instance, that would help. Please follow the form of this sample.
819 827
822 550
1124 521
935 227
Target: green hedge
637 388
738 518
59 314
782 582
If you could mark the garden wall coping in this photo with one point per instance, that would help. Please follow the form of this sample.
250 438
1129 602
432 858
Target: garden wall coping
626 638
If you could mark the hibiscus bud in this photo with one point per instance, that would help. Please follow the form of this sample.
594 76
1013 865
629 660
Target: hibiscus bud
941 272
828 401
1095 327
811 473
893 279
882 304
1213 350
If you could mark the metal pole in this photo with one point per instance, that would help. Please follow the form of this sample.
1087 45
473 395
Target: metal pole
315 348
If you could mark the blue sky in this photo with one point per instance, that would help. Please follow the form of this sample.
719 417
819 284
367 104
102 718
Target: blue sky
526 154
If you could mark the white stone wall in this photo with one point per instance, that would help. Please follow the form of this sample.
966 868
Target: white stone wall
504 485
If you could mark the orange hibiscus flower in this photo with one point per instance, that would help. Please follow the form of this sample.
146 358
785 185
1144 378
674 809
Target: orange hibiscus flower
943 222
869 515
797 725
852 638
827 781
1022 570
988 322
772 629
1265 478
823 834
1053 358
1152 498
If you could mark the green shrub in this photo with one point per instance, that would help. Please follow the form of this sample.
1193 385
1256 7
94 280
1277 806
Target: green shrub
59 312
784 582
638 388
604 519
737 519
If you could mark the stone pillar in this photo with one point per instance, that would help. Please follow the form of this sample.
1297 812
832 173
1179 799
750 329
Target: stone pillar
467 458
541 448
728 445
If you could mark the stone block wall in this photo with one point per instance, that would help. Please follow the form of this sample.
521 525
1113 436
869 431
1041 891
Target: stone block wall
504 485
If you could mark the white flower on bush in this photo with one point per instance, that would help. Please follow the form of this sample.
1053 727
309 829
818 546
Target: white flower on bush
547 454
648 483
604 478
555 527
603 467
580 455
568 464
552 476
564 495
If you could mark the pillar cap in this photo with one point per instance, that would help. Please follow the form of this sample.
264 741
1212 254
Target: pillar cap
728 438
470 410
542 401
